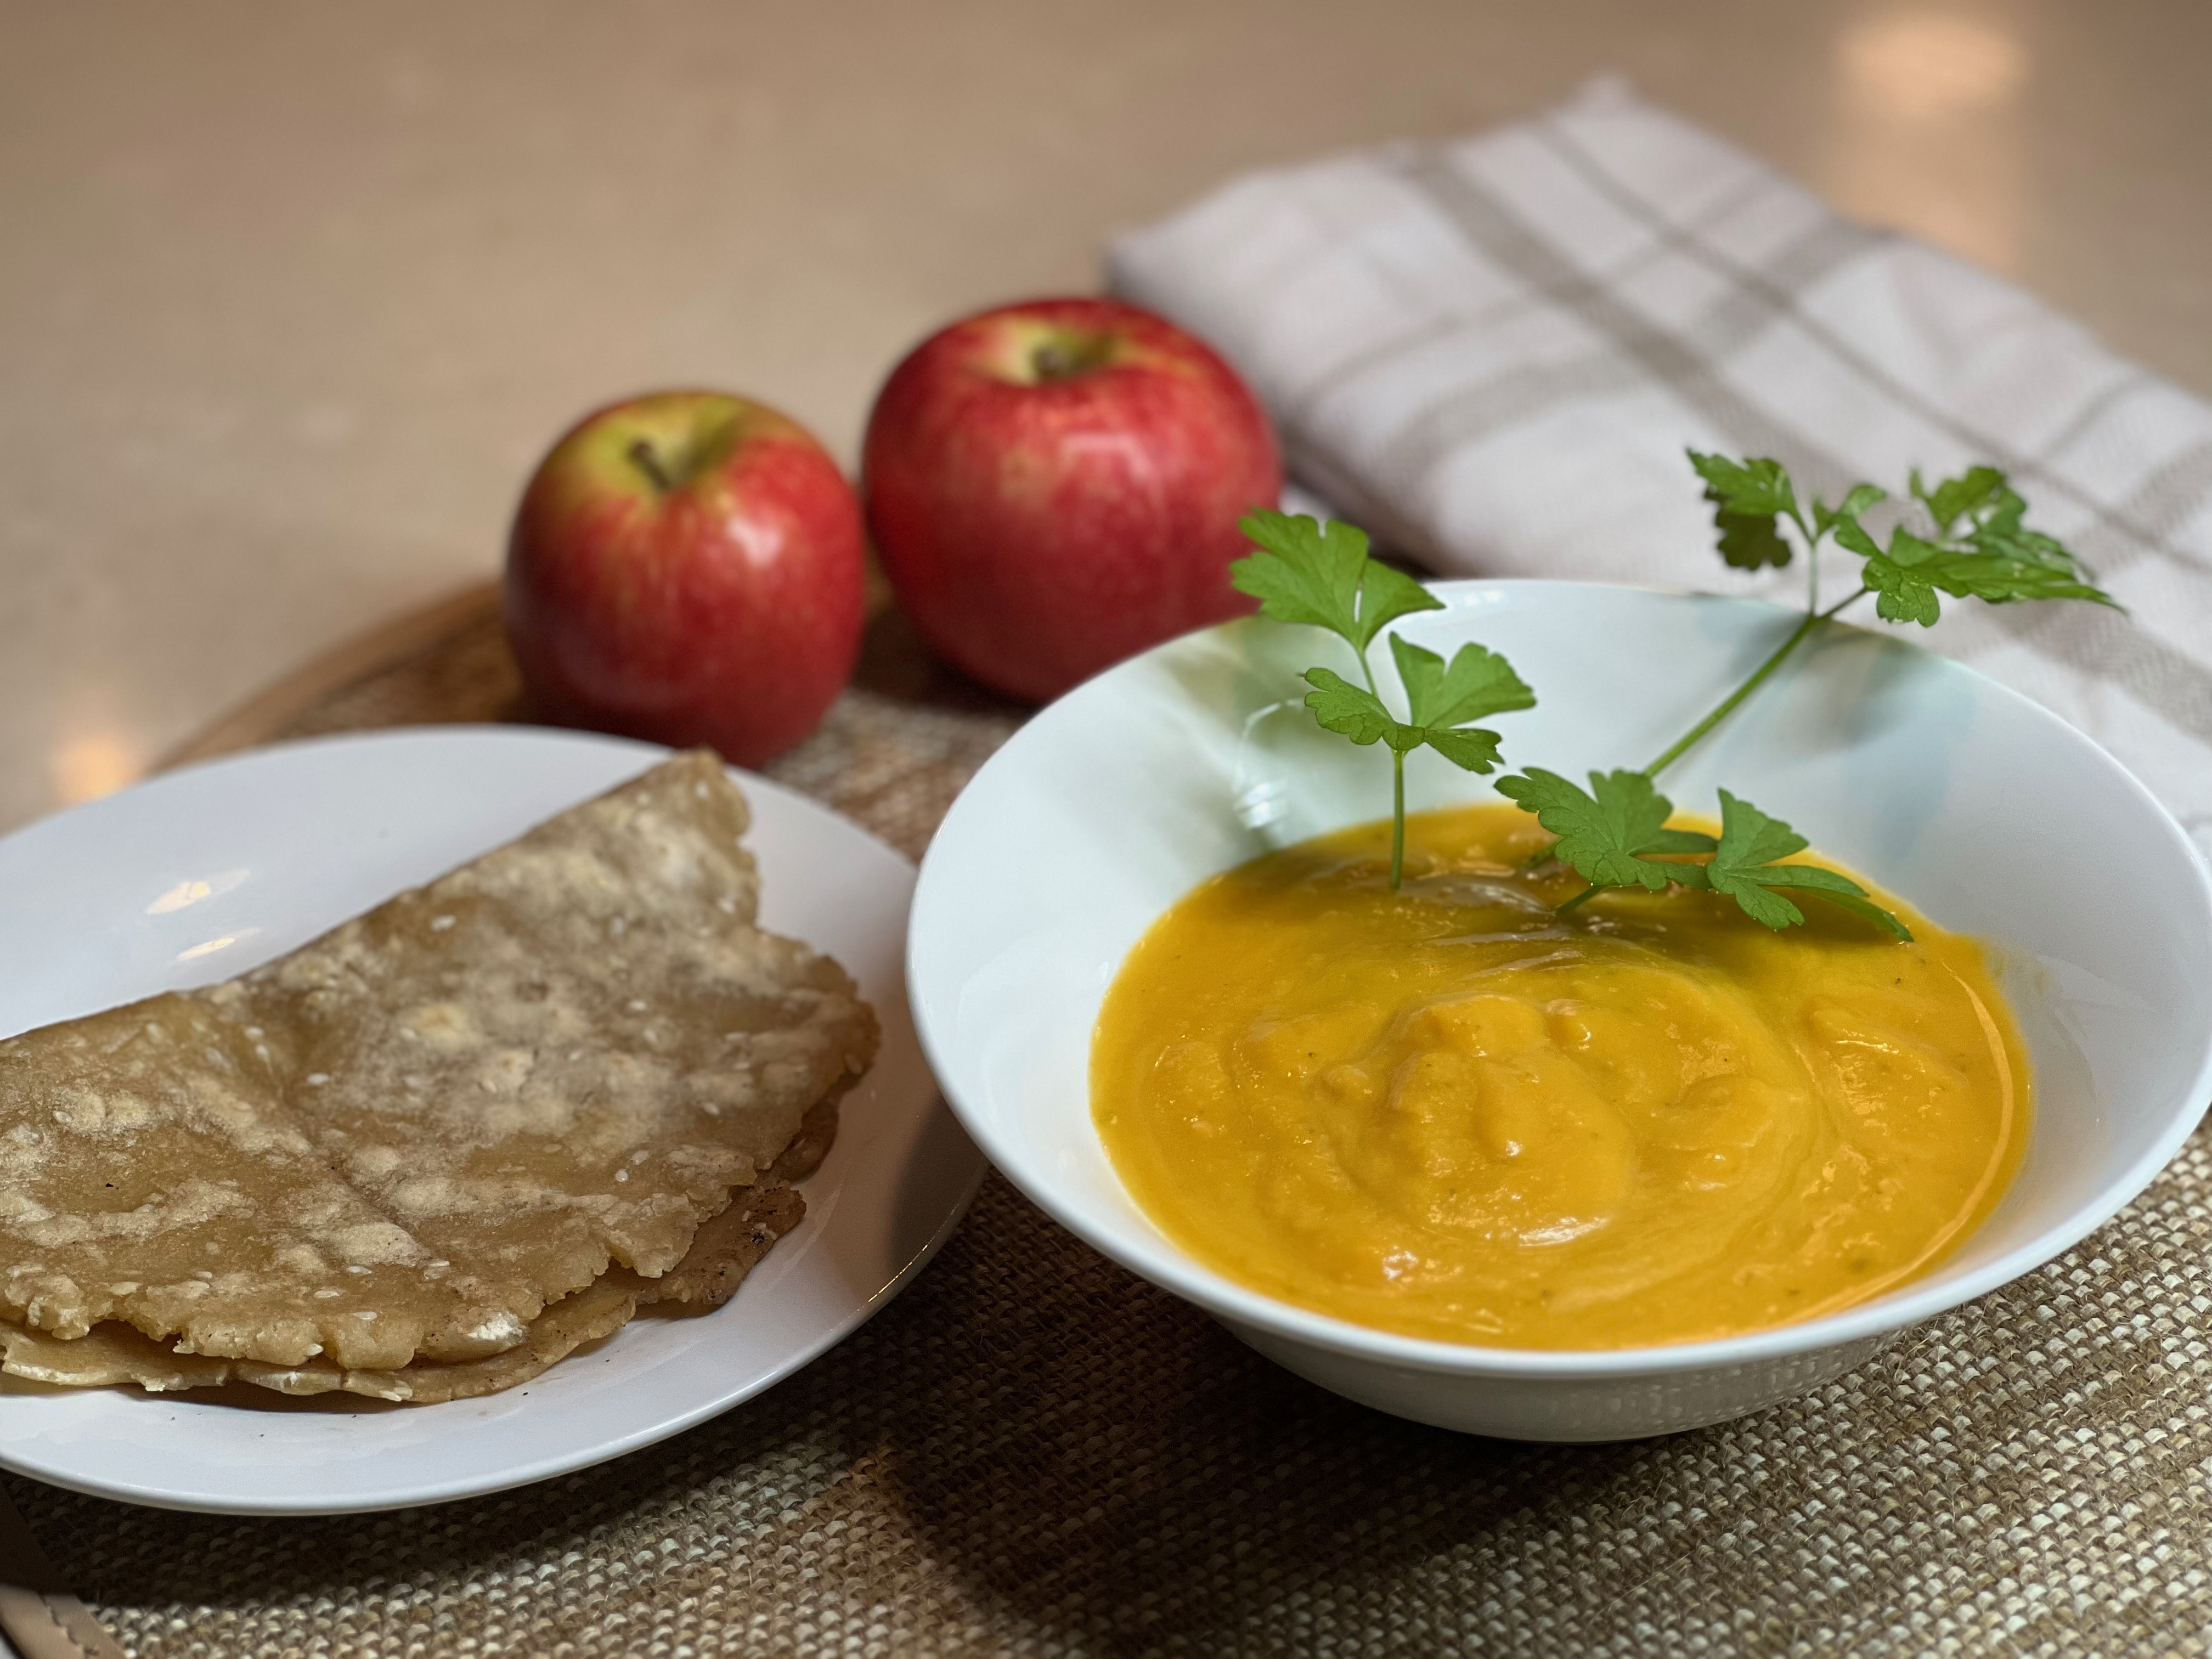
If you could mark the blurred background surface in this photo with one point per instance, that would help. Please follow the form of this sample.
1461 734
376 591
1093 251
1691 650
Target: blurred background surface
292 298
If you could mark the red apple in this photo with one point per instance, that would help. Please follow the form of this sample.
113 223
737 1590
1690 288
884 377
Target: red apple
686 567
1055 486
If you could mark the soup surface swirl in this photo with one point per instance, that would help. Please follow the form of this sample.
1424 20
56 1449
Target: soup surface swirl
1447 1112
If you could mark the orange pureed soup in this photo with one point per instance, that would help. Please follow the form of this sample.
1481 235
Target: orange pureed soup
1448 1113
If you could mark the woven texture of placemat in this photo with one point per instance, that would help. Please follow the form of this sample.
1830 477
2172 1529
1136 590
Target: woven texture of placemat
1031 1452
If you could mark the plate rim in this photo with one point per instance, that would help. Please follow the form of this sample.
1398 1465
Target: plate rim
463 1488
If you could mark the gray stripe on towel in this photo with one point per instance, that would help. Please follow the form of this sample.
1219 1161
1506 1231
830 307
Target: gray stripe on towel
2087 639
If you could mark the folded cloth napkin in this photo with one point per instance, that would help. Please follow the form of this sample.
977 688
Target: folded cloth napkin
1492 353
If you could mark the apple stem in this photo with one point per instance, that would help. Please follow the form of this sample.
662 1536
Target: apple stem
1068 356
648 462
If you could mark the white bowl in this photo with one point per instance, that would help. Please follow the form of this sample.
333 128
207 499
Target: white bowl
1978 807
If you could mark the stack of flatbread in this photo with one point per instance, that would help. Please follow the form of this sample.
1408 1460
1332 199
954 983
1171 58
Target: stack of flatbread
439 1148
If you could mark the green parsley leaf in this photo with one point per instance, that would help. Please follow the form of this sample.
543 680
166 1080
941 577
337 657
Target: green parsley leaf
1386 593
1827 518
1352 710
1442 701
1443 698
1954 498
1319 573
1478 682
1744 868
1746 497
1982 549
1607 832
2002 533
1747 543
1899 595
1470 748
1852 534
1758 488
2000 566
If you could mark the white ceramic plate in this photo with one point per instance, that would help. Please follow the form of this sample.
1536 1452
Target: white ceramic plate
197 876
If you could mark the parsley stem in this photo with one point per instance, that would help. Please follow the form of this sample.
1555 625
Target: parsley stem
1397 787
1812 559
1368 674
1397 818
1728 704
1562 909
1759 678
1844 605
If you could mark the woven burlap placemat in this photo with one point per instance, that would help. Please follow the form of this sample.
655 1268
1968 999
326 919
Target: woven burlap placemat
1031 1452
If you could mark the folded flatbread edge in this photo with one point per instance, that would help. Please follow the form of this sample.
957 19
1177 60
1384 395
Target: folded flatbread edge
723 1253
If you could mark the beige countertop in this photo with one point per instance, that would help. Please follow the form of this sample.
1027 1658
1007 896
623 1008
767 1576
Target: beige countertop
291 298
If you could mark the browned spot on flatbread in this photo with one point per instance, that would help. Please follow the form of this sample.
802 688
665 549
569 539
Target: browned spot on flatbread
817 1132
727 1248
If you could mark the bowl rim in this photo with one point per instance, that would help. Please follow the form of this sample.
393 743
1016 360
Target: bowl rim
1175 1270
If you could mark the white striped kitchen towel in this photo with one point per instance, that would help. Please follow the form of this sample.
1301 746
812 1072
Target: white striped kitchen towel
1493 352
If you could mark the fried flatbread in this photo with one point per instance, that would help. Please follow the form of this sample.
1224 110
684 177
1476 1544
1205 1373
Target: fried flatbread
112 1353
727 1248
399 1143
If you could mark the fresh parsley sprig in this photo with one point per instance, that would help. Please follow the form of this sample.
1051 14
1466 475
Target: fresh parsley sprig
1610 833
1979 546
1973 543
1744 868
1615 835
1322 575
1976 545
1981 550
